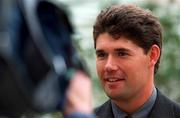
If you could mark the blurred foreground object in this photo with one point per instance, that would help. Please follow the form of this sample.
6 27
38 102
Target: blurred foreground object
37 58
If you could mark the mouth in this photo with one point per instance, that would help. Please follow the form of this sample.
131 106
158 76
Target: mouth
113 79
114 83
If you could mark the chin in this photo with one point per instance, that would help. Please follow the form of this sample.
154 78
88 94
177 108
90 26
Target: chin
113 96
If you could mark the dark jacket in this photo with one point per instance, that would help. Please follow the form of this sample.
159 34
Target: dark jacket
163 108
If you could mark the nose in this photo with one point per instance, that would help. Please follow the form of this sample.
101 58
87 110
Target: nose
111 65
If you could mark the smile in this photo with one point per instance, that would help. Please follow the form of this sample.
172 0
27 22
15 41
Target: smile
113 79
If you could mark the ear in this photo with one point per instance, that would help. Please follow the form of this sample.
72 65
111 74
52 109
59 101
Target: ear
154 54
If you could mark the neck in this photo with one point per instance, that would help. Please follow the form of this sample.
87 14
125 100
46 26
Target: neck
130 106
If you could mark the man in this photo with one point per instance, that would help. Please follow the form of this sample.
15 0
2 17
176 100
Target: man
128 43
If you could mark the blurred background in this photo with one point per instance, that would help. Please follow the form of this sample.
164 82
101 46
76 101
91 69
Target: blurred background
82 14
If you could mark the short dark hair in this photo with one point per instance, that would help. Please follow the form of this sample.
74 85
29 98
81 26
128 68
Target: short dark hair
132 22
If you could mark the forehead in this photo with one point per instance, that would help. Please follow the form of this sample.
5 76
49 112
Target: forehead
105 41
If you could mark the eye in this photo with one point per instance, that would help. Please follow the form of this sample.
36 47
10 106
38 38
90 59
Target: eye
121 53
101 55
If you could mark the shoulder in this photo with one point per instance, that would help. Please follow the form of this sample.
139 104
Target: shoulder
165 100
166 106
104 111
176 108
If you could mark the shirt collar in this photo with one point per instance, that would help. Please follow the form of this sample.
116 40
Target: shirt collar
141 113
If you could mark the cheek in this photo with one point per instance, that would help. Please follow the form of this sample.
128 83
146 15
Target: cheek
137 72
138 65
99 68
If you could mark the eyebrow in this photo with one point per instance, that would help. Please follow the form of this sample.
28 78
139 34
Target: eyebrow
116 50
99 51
122 50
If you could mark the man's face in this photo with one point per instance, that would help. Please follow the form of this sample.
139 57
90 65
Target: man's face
122 66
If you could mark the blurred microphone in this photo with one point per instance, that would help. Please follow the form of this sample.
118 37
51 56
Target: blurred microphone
42 59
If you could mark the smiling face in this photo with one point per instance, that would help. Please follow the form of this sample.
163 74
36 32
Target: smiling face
125 71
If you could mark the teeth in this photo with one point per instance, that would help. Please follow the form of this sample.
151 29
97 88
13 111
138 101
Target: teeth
112 80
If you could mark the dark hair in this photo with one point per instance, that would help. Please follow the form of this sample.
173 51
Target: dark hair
132 22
